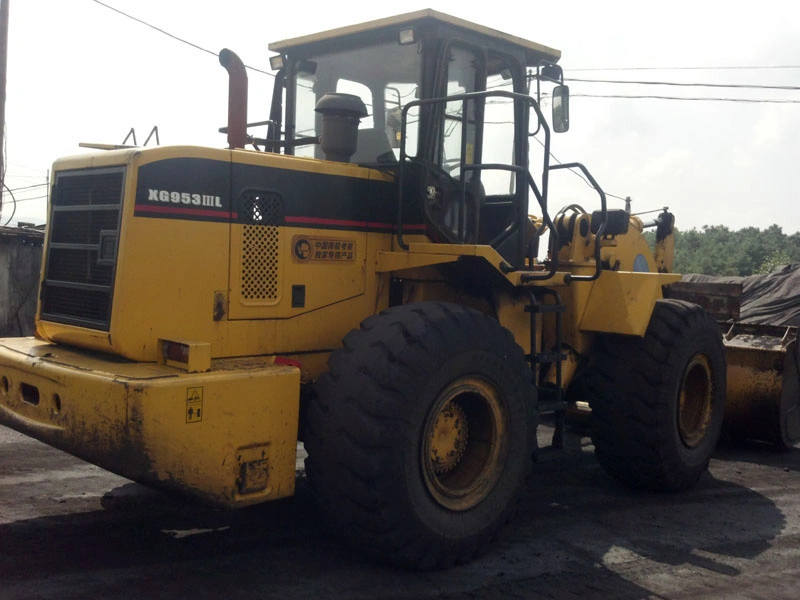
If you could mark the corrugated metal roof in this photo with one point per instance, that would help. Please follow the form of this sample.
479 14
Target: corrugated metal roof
26 232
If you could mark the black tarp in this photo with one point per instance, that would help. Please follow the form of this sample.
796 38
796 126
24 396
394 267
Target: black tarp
772 299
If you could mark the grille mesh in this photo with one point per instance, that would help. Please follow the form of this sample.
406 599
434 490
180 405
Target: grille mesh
83 227
89 190
261 213
86 211
67 264
86 305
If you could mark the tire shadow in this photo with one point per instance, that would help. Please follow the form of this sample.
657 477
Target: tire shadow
705 527
573 527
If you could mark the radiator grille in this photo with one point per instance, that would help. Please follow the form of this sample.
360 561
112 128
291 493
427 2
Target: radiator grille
82 248
261 213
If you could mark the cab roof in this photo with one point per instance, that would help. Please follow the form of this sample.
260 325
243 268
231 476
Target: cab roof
534 52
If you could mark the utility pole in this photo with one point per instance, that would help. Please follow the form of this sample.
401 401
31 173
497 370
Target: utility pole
3 64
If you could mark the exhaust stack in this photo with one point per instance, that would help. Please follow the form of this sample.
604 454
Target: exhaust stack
237 98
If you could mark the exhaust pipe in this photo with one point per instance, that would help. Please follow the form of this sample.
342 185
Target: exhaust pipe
237 98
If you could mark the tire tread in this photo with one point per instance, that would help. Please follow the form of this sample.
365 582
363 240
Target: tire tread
360 412
632 382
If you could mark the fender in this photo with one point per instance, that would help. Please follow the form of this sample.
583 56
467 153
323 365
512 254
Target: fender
622 302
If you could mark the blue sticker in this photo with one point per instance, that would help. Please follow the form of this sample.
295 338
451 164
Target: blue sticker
640 264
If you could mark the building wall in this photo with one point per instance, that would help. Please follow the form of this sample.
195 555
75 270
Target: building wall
20 262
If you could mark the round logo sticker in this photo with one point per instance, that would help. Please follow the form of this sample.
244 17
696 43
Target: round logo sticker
640 264
302 249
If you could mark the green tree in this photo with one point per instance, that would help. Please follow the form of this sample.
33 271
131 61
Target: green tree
716 250
777 258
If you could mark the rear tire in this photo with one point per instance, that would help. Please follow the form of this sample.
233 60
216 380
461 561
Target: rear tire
418 440
658 401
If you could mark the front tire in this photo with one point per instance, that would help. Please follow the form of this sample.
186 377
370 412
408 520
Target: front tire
658 401
419 435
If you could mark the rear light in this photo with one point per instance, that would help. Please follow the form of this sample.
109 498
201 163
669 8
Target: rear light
195 357
288 362
175 351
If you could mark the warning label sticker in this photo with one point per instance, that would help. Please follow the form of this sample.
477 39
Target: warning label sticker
323 249
194 404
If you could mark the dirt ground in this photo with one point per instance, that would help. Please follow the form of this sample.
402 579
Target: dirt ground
71 530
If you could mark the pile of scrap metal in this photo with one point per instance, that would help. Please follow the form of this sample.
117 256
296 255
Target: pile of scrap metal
759 316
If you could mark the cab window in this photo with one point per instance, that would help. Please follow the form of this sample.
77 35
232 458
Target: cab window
385 77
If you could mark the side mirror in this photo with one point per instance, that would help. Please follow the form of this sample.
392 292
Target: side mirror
561 108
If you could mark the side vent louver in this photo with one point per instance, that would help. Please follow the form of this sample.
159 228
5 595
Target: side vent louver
261 213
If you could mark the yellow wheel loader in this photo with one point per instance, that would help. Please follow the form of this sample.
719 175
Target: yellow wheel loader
360 272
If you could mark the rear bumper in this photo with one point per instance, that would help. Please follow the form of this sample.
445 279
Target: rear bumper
228 436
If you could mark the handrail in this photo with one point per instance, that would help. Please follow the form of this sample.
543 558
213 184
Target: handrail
554 239
601 231
521 169
525 182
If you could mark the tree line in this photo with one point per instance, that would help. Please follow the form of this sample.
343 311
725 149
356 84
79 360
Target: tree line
716 250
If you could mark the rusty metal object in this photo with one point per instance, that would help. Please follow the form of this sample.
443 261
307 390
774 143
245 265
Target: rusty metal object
237 98
763 391
763 394
450 435
463 445
720 299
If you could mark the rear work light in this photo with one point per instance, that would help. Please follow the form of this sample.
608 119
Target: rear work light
194 357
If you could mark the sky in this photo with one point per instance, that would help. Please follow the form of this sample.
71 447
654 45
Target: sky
79 72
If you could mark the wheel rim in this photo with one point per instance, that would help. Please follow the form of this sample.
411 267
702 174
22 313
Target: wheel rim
694 406
463 447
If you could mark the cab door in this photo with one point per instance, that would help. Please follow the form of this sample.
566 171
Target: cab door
452 192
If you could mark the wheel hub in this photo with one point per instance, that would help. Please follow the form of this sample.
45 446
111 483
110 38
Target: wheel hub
463 445
450 433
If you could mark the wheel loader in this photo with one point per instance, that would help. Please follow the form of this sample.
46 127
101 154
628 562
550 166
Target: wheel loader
360 272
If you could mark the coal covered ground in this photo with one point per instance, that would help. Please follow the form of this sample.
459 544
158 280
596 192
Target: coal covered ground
71 530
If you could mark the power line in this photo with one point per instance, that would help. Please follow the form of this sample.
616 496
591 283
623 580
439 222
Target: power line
729 68
615 196
34 177
26 199
27 187
576 173
174 37
691 99
747 86
31 198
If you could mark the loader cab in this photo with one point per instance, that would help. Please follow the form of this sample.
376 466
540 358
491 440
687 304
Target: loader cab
461 162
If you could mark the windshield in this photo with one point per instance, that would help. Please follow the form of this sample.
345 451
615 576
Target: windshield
385 77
